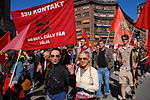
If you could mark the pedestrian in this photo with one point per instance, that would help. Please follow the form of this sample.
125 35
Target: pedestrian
125 75
116 63
135 61
103 62
72 54
86 78
84 47
65 57
15 90
143 63
58 77
30 69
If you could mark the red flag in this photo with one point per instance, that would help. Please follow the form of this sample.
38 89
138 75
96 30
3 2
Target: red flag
17 42
148 49
144 18
4 40
144 22
84 35
52 25
120 27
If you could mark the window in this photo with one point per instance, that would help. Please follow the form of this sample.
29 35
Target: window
77 9
78 22
85 14
103 29
78 15
87 29
111 15
86 7
102 22
110 22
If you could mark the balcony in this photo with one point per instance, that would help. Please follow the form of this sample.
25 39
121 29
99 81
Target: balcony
103 18
104 11
101 25
104 34
78 34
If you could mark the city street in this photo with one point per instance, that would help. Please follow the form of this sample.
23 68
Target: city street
142 91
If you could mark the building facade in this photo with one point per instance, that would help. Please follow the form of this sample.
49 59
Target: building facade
6 24
139 8
96 17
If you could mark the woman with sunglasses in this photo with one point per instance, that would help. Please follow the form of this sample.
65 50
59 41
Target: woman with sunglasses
86 78
58 77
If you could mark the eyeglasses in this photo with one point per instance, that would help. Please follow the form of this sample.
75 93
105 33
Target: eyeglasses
55 56
83 58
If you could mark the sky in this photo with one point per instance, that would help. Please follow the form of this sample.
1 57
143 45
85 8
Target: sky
128 6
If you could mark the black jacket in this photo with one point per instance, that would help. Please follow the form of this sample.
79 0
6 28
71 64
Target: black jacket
58 79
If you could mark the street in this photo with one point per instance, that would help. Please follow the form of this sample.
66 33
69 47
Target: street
142 91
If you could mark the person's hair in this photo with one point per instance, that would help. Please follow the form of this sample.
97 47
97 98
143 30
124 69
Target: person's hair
101 41
22 59
85 52
83 39
125 35
55 49
10 61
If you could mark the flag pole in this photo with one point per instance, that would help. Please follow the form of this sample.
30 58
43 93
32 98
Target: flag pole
19 53
107 38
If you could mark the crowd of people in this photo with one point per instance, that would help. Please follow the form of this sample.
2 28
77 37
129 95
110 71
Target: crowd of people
78 67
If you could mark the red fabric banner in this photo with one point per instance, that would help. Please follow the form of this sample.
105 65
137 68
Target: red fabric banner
17 42
84 35
144 22
120 27
144 18
148 49
4 40
52 25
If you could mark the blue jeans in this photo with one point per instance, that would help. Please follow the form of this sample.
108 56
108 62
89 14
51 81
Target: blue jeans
103 73
58 96
31 73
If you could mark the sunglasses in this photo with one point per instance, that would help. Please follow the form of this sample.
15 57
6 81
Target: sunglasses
124 39
83 58
55 56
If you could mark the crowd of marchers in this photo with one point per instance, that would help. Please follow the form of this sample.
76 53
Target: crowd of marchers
83 69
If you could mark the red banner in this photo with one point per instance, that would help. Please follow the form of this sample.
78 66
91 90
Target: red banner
120 27
51 25
17 42
144 22
144 18
84 35
4 40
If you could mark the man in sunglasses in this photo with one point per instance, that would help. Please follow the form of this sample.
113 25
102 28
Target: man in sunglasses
125 75
103 62
58 77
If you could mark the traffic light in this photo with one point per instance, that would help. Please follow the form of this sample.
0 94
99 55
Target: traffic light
138 34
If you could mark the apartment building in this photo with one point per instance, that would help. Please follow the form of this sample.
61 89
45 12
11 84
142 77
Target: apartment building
6 24
96 17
